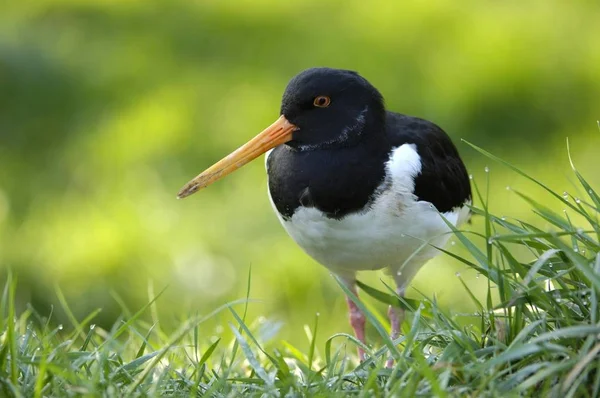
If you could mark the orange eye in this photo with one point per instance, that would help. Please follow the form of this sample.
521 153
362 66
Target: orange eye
322 101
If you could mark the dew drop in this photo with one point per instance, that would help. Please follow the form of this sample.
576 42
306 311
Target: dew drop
576 250
457 274
508 187
490 241
453 243
503 218
60 327
92 326
219 329
402 235
550 265
470 176
590 191
577 200
487 169
579 231
566 195
477 275
318 314
399 273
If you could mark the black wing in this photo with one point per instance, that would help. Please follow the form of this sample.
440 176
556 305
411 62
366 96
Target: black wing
443 180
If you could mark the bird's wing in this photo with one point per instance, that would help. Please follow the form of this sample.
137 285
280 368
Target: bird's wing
443 179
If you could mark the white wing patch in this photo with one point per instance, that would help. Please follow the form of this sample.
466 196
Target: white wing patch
404 165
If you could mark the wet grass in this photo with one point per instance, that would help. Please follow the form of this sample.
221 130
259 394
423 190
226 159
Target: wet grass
537 333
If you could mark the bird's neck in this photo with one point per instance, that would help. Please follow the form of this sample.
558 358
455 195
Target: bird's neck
337 182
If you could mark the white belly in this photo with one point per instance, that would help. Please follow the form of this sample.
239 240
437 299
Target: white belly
381 237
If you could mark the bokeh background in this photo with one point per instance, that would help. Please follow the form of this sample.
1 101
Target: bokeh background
108 107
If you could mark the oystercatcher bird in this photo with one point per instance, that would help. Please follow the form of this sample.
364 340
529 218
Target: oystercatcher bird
356 186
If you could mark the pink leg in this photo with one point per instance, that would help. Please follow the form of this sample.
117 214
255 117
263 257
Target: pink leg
357 321
396 316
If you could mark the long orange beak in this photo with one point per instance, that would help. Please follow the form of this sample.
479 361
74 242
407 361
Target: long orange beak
274 135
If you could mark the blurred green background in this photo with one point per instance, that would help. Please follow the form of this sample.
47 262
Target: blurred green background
108 107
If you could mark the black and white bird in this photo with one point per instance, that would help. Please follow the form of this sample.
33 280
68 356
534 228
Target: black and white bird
356 186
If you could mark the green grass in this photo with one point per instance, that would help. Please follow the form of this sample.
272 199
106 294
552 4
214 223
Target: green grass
535 334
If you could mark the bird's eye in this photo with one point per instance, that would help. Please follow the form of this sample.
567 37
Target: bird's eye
322 101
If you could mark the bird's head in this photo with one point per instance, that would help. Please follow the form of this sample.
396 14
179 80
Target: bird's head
321 108
330 107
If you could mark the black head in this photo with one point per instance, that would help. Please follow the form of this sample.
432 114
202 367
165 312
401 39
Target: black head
331 108
321 108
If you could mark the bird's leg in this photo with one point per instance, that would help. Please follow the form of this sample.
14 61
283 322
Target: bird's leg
357 319
396 316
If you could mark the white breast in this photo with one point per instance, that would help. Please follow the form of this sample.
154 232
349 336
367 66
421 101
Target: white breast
392 232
